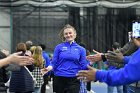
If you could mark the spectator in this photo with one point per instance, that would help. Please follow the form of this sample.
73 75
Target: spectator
21 81
47 63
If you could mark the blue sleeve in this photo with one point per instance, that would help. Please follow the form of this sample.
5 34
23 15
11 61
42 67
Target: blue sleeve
47 60
126 59
83 61
123 76
55 57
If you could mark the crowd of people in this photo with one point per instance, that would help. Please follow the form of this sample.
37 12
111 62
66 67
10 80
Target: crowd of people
71 67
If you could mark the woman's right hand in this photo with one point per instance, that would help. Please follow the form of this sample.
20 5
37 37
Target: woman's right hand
46 70
96 57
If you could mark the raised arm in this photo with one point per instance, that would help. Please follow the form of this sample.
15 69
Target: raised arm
16 59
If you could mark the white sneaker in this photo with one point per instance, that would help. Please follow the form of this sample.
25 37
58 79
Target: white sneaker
47 87
91 91
50 82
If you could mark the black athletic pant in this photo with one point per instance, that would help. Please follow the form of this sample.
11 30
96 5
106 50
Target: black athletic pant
66 84
43 87
88 86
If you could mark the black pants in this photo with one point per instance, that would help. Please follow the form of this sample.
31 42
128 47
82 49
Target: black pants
88 86
3 88
66 85
43 87
125 88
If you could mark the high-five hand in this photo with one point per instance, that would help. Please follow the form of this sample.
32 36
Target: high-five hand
46 70
90 74
96 57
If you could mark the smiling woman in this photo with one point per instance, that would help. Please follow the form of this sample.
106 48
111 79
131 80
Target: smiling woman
68 33
68 59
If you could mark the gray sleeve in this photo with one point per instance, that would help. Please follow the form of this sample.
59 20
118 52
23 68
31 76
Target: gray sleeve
116 58
128 48
13 67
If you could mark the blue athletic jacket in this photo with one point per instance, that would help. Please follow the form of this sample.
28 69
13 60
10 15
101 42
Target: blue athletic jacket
128 74
47 60
68 59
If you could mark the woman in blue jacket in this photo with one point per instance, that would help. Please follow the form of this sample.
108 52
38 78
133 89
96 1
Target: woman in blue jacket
68 59
126 75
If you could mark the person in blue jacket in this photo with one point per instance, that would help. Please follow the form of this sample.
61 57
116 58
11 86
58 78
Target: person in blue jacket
68 59
126 75
110 89
47 63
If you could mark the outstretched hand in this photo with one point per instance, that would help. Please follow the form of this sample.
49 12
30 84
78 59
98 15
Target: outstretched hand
114 56
20 60
90 74
46 70
96 57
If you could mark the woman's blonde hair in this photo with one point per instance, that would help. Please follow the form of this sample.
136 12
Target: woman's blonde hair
37 56
32 49
61 34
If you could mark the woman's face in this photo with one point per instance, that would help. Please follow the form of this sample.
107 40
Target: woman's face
69 34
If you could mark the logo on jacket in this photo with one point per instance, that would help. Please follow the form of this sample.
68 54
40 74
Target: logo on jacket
76 49
64 48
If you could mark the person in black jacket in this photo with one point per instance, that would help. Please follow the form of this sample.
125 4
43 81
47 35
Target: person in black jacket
3 75
6 62
21 81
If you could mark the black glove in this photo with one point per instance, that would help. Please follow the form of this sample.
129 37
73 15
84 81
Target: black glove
114 56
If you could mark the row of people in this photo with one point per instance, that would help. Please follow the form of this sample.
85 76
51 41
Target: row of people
123 76
22 78
70 58
6 60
